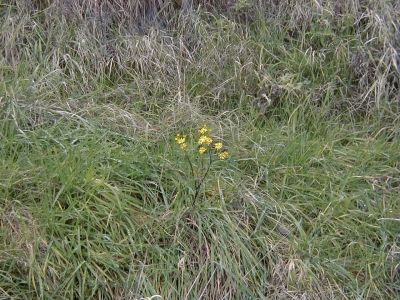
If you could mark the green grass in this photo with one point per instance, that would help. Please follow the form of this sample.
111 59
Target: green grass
97 200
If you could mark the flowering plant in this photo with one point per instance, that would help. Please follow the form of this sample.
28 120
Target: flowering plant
199 147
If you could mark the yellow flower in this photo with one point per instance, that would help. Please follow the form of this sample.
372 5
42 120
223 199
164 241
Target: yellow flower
202 150
180 139
184 146
205 140
223 155
204 130
218 146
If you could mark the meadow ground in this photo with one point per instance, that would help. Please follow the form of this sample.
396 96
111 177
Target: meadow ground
100 199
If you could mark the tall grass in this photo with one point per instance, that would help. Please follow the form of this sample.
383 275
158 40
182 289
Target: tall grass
97 201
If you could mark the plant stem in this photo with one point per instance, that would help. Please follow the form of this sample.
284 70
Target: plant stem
197 187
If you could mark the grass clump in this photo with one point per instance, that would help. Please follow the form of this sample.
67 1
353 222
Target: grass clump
112 187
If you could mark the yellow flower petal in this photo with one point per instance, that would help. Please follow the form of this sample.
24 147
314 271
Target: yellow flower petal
204 130
218 146
184 146
223 155
202 150
180 139
205 140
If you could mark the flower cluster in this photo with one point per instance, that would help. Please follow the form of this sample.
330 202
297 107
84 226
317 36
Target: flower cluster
181 141
204 142
200 143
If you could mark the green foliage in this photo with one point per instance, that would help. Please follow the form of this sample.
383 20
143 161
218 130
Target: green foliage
97 197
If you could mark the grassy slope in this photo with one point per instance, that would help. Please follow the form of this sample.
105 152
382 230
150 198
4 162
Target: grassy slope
96 198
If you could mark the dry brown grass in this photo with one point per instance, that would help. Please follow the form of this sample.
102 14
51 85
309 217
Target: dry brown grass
136 9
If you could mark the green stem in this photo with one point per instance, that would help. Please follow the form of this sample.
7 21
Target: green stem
192 174
197 187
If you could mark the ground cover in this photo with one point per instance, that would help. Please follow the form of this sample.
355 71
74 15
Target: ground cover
101 198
